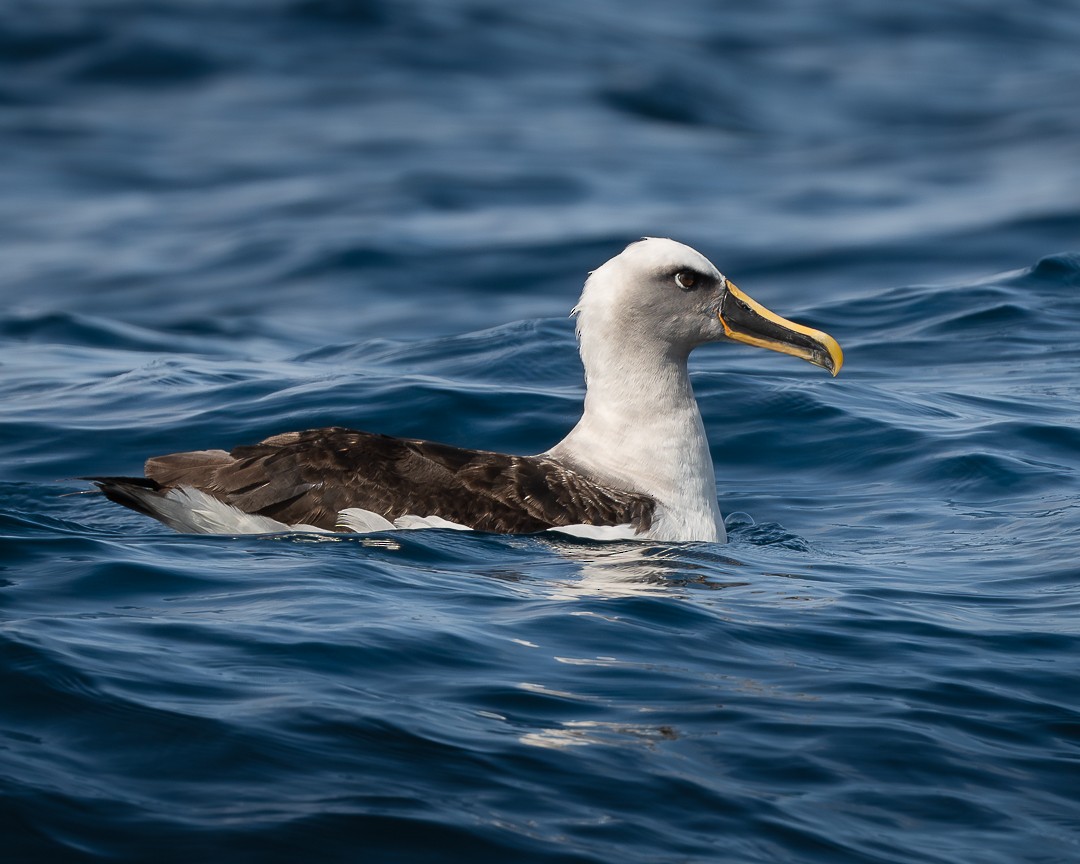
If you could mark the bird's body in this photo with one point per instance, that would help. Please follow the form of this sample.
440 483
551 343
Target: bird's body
637 463
331 479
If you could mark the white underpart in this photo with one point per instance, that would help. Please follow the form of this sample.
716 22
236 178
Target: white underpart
411 522
598 532
194 512
360 521
641 428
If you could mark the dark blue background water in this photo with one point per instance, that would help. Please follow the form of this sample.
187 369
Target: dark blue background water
221 220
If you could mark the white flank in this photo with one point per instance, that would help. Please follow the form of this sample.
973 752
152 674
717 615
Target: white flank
194 512
600 532
410 522
361 521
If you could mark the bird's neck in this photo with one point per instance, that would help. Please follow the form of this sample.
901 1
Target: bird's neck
641 430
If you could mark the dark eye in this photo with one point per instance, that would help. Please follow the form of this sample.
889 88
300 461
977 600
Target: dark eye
685 279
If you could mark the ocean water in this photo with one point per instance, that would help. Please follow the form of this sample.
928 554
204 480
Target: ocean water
225 220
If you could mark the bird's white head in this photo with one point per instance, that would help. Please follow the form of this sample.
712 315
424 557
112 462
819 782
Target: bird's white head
662 297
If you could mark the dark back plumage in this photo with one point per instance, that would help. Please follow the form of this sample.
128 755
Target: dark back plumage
310 477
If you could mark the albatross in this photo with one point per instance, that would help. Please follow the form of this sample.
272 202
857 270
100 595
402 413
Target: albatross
637 464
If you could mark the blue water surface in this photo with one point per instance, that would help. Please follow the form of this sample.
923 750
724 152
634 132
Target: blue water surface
224 220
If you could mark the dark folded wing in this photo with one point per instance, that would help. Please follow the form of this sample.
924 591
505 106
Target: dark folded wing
309 477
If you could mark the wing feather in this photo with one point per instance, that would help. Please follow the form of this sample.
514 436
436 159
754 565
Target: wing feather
310 477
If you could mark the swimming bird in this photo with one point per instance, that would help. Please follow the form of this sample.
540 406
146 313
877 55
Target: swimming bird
637 464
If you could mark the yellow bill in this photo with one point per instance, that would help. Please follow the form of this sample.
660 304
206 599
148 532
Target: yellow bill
746 320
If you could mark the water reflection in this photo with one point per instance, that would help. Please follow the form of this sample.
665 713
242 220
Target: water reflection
608 570
580 733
